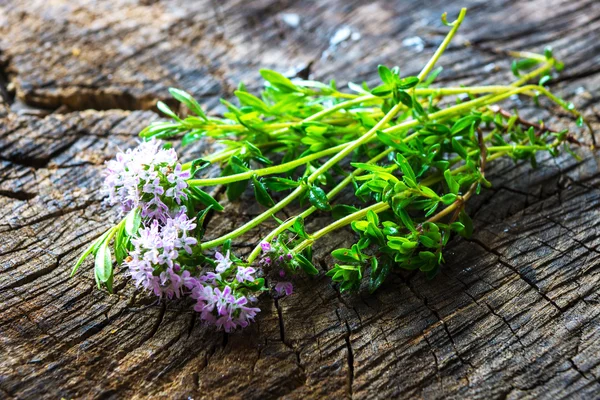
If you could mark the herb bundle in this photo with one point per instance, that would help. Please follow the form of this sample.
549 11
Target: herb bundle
412 154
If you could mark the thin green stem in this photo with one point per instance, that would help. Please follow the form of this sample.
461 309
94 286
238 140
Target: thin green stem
341 155
332 193
277 169
376 208
438 53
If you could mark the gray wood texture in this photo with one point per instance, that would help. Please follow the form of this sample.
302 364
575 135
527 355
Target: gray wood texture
515 312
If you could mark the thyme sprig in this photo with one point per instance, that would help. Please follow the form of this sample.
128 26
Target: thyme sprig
412 154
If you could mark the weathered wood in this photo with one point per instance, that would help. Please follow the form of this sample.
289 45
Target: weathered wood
514 314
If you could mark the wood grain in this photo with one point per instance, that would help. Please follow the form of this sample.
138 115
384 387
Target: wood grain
515 312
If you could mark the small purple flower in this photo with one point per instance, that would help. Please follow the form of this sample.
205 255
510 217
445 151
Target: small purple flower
153 263
245 274
153 187
223 262
284 287
266 247
146 176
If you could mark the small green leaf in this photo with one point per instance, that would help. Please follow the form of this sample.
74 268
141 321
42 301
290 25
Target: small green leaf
162 107
206 198
344 255
381 91
341 210
464 123
407 83
133 221
459 149
298 228
306 265
278 81
404 98
200 222
188 101
236 189
385 74
448 198
468 224
318 198
544 79
197 165
250 100
453 185
280 184
103 263
405 167
261 194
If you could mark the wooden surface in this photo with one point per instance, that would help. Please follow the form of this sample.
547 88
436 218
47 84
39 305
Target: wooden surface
515 312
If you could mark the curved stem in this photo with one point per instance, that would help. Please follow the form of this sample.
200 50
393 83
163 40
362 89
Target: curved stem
277 169
376 208
350 147
332 193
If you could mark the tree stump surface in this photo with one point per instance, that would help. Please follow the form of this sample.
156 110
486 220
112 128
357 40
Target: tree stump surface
514 313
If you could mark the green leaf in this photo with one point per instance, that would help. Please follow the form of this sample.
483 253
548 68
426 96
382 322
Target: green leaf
200 222
448 198
280 184
91 249
250 100
162 107
278 81
404 98
544 79
418 109
405 167
345 255
318 198
206 198
298 228
459 149
407 83
306 265
468 224
427 242
464 123
255 286
385 74
453 185
197 165
431 77
381 91
236 189
103 263
188 101
261 194
406 220
379 272
133 220
341 210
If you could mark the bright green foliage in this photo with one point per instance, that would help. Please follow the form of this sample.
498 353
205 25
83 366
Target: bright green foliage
415 155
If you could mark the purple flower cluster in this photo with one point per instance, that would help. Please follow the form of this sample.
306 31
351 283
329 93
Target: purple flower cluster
148 175
277 257
153 263
217 299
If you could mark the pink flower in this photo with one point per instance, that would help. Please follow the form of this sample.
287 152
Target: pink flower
284 287
265 246
223 262
245 274
146 176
